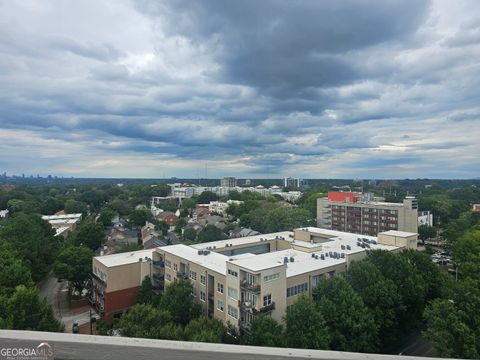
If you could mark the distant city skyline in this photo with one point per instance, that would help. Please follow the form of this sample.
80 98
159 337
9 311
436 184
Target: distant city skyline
252 89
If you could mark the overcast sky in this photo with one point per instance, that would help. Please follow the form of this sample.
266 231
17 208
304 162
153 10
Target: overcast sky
316 89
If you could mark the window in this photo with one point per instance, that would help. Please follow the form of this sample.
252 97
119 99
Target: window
220 288
202 296
251 279
233 293
267 300
168 264
297 289
233 273
168 277
271 277
316 280
175 267
193 275
220 305
203 279
233 312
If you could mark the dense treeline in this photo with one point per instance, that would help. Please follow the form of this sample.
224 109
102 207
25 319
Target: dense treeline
28 249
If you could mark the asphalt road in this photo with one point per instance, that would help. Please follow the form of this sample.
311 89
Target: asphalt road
56 294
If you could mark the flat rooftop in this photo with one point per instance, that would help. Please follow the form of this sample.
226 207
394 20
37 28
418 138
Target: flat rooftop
303 261
213 261
124 258
329 243
398 233
220 244
61 217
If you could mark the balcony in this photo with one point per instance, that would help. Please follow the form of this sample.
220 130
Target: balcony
182 275
98 280
267 308
158 277
159 264
254 288
246 306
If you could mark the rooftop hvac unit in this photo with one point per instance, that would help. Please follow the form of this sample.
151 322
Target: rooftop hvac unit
349 247
326 254
343 247
200 252
316 257
285 260
214 247
292 259
359 244
359 239
206 252
342 255
373 242
322 257
313 255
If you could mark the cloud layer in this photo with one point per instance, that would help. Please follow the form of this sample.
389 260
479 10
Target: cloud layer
372 89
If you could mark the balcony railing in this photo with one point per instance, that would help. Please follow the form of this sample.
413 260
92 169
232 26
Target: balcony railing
158 277
182 275
267 308
255 288
159 264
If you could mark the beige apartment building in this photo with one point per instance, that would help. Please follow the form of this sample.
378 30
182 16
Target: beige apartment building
236 279
116 280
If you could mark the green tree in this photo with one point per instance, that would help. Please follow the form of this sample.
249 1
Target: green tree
76 207
190 234
74 264
188 203
306 327
34 240
411 286
178 301
140 217
450 336
310 202
204 329
15 205
281 219
466 254
25 311
13 271
148 321
234 195
210 233
89 233
179 226
352 327
163 227
426 232
438 283
206 196
145 294
123 248
264 331
106 216
381 297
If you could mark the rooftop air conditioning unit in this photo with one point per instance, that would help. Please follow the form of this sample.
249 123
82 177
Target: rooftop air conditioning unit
292 259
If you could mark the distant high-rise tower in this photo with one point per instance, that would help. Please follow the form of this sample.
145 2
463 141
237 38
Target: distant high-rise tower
292 182
228 181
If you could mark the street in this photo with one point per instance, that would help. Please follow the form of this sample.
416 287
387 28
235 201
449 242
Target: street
56 294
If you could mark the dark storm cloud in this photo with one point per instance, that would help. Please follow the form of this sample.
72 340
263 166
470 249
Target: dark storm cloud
251 86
